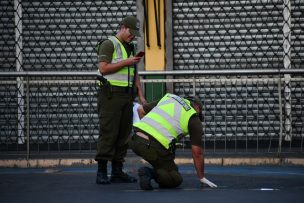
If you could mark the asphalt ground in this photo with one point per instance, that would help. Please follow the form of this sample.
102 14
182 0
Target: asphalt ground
77 184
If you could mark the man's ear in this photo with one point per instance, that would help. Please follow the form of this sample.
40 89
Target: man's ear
123 27
196 107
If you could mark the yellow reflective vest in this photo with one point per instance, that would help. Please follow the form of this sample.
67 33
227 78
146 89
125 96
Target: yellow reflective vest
125 76
168 120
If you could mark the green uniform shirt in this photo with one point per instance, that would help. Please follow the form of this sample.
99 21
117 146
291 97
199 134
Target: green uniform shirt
106 50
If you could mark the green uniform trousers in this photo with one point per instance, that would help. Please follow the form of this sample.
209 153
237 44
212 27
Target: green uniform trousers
115 124
162 160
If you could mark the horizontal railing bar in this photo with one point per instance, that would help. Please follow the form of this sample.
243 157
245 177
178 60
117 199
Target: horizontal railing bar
226 72
149 73
159 80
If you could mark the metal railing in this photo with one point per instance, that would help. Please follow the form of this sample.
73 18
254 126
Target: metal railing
244 110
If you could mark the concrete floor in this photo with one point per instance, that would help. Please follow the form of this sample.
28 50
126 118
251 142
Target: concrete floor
77 184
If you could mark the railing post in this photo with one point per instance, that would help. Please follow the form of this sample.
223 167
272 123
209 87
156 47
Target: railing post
27 118
281 116
194 87
140 40
20 85
287 65
169 42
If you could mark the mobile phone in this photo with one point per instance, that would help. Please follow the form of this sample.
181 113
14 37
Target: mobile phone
140 54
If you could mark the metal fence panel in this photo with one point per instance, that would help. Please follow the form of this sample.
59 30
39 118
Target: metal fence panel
260 112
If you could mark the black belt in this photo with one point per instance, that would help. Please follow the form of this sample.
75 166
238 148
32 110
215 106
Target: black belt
120 89
117 89
147 140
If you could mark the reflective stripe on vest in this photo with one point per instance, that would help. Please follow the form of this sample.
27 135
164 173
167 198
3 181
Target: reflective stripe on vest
120 78
168 120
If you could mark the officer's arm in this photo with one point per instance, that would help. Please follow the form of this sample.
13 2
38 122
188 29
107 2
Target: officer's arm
108 68
199 163
105 65
196 131
146 108
198 159
140 93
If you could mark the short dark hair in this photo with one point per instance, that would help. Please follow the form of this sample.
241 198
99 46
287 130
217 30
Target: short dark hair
196 100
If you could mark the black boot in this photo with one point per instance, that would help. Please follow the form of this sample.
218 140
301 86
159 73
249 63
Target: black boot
102 173
146 174
118 176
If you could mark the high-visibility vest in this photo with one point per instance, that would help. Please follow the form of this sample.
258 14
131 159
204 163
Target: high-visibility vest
125 76
168 120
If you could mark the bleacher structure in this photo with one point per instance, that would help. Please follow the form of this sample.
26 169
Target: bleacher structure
241 111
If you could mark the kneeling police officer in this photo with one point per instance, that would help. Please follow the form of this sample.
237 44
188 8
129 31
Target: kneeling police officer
162 124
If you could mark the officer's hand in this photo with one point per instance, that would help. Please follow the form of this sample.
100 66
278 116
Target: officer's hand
142 100
132 60
207 182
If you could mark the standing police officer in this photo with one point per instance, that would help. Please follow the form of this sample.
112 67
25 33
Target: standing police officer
163 124
119 85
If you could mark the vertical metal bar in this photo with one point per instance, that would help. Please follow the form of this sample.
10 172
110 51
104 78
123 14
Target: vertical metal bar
48 117
302 139
214 120
152 85
270 136
163 88
169 41
20 85
287 65
193 86
27 118
246 115
235 135
257 139
281 117
204 123
226 117
302 133
140 12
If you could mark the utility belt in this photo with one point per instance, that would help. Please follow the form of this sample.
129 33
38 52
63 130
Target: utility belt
149 141
106 87
119 89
